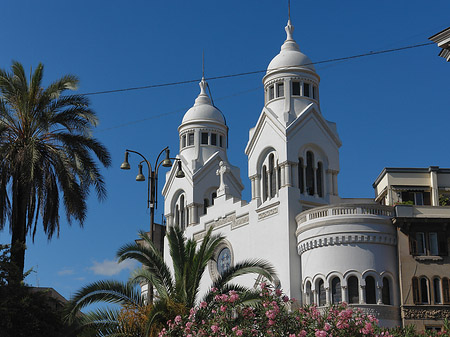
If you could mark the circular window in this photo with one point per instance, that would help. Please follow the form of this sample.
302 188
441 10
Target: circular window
223 260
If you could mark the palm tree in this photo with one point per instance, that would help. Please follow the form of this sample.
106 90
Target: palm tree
46 154
175 294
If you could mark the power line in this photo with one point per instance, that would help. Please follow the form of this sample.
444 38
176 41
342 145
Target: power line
371 53
172 112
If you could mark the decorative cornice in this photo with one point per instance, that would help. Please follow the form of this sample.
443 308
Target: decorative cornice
348 238
426 312
230 219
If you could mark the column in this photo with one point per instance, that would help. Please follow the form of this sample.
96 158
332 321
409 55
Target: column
257 187
295 167
304 179
335 185
328 295
315 299
315 183
287 174
169 218
344 293
253 184
434 185
329 187
190 219
362 294
379 294
283 178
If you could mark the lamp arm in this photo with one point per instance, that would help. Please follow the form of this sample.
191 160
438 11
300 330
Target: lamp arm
145 159
159 155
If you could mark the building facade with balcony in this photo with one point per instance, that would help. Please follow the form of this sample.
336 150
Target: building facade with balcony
325 249
421 219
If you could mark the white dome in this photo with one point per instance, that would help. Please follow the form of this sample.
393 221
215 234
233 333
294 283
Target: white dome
290 55
203 110
290 58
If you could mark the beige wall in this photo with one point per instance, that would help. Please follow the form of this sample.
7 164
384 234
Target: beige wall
411 266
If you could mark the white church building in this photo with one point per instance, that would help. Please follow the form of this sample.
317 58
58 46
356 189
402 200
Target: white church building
325 249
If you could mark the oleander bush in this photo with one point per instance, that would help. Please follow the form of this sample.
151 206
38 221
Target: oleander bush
276 315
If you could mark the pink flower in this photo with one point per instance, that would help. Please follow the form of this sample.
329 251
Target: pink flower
178 319
203 304
214 328
320 333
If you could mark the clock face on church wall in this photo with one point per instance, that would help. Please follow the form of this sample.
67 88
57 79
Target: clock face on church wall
224 260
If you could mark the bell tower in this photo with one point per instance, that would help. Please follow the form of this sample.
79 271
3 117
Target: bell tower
203 145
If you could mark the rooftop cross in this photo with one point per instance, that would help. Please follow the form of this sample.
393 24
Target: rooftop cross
223 188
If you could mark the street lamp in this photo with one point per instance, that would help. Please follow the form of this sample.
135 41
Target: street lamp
152 184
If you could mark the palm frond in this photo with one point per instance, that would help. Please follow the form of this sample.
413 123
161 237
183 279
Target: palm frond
104 291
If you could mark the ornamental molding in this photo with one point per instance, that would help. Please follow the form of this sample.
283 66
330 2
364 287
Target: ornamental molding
426 312
337 240
267 211
380 311
295 78
266 214
231 219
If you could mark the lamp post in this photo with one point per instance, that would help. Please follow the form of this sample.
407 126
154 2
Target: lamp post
152 184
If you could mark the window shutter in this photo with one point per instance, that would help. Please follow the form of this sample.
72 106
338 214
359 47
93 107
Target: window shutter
412 244
415 289
443 244
446 290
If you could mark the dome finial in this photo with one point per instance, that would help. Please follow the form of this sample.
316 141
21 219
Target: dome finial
203 97
289 28
289 10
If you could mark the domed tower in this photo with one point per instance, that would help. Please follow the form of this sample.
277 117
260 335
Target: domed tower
203 145
291 83
293 146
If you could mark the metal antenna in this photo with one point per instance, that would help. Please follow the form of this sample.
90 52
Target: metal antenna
203 63
289 10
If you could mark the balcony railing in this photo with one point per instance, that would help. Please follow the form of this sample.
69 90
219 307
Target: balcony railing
350 209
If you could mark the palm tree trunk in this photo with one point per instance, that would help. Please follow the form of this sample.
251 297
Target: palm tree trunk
19 229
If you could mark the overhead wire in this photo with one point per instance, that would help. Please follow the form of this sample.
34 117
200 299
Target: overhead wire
340 59
159 85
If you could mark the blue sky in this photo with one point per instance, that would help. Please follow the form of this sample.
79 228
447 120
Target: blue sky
391 109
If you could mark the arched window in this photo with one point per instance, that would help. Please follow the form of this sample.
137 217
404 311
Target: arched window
278 176
424 290
205 205
321 293
272 181
265 183
177 216
386 292
182 214
301 182
319 179
353 290
420 290
213 196
446 290
310 173
308 293
371 297
336 295
437 290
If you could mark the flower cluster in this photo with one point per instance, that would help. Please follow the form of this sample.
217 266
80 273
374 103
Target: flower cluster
274 315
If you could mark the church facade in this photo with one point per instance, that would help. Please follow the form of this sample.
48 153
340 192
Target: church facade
326 249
